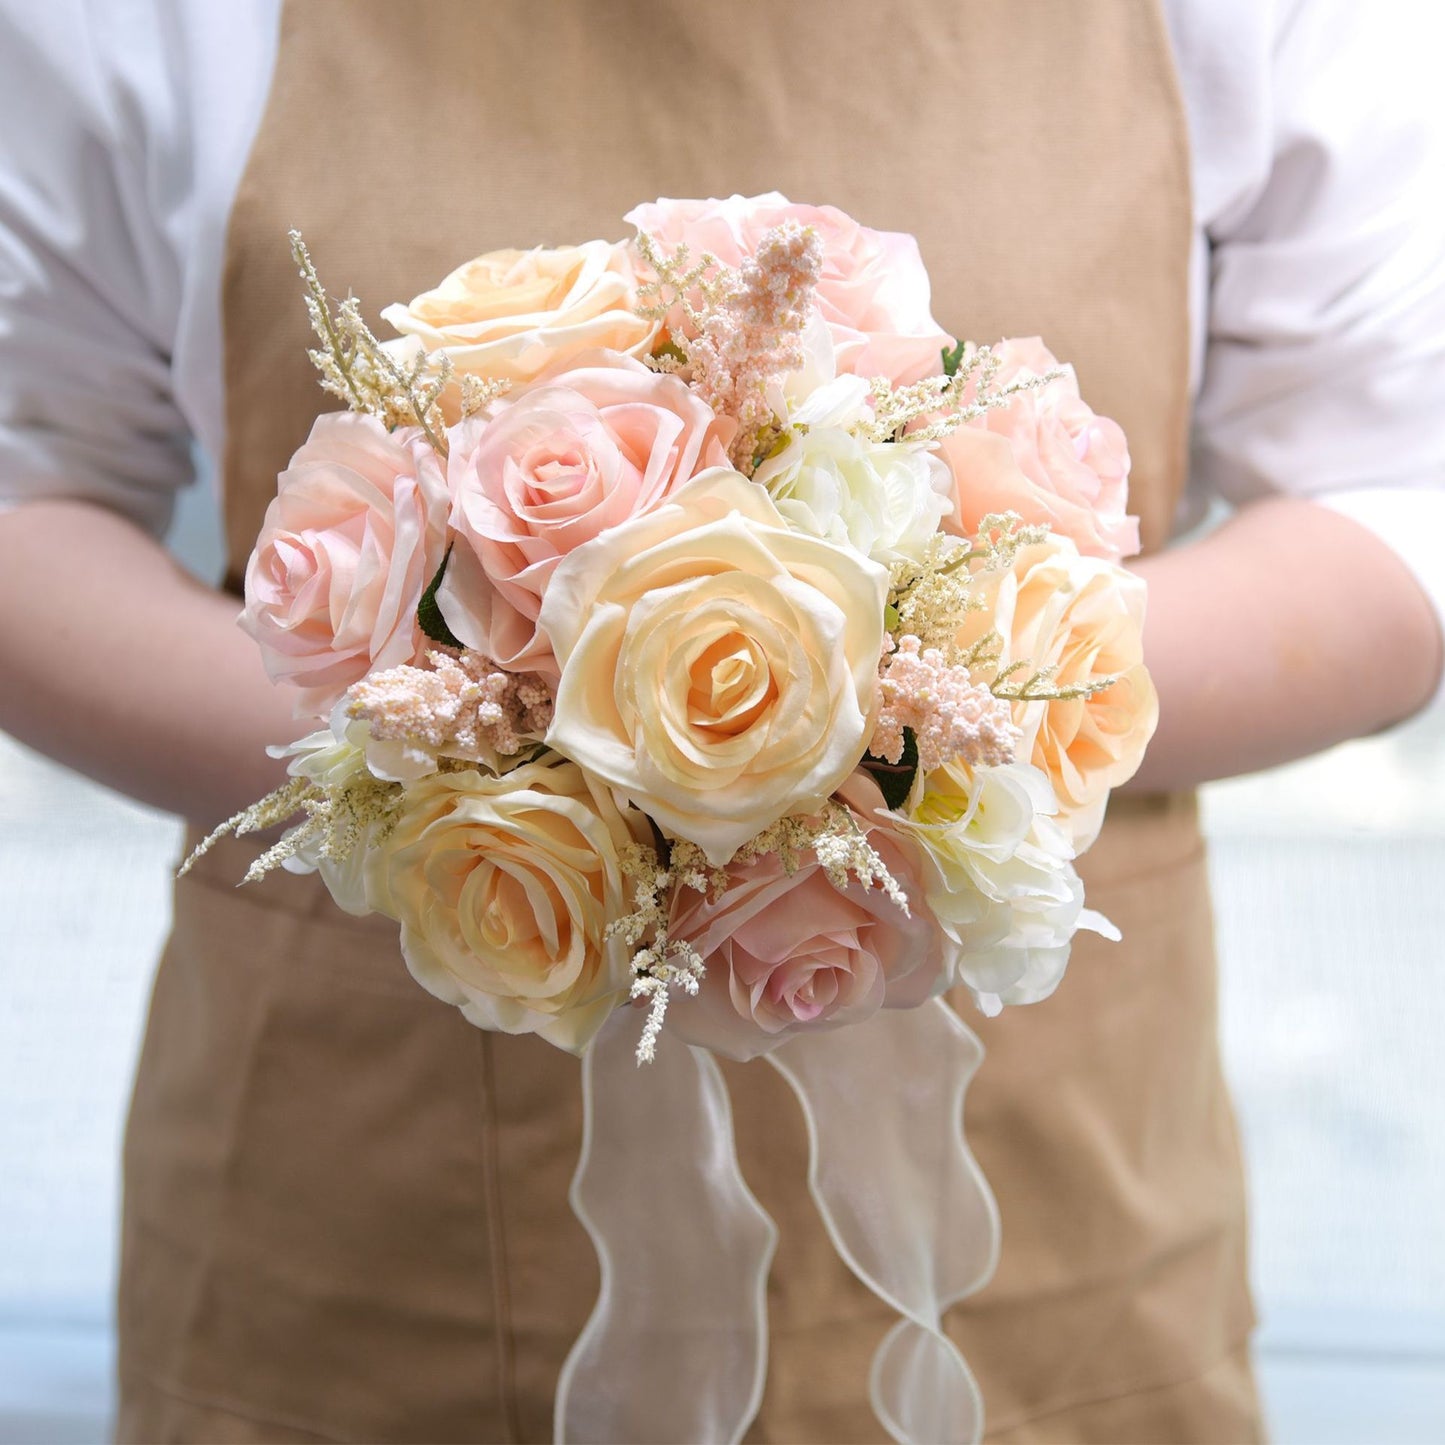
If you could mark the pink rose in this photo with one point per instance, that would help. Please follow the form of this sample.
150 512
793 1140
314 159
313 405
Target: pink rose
788 954
354 535
565 460
1046 456
874 291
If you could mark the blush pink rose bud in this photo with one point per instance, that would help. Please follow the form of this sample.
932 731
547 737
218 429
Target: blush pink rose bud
790 954
356 531
873 293
553 468
1046 456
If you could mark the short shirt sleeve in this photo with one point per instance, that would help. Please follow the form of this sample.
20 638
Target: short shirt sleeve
1324 367
89 286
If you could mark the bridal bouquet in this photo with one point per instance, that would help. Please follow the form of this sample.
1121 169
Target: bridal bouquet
691 619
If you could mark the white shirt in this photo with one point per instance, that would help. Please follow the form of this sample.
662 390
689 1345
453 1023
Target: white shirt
1317 285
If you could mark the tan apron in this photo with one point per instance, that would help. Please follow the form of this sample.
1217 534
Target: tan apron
346 1211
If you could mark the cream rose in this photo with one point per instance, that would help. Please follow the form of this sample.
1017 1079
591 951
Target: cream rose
511 315
1046 456
719 668
787 954
1085 617
504 887
347 548
874 290
562 462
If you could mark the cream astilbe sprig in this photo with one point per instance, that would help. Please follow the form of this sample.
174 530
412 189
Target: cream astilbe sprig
833 836
340 817
655 975
358 368
743 332
1015 683
664 963
927 411
929 598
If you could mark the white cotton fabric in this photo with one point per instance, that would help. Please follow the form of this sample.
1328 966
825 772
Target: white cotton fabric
1318 282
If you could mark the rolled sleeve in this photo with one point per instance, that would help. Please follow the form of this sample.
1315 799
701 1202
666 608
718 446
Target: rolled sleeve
88 284
1324 371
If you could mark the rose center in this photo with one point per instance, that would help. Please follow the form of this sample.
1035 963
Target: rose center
731 685
556 476
506 917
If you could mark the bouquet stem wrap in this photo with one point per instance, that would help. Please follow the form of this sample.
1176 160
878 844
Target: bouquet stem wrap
676 1347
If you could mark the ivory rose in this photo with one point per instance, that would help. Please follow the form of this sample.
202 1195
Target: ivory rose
1001 885
511 315
1085 617
882 500
503 887
1046 456
786 955
874 291
719 669
553 468
346 549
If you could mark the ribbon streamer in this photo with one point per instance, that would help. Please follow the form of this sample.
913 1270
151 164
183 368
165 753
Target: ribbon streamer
676 1348
902 1198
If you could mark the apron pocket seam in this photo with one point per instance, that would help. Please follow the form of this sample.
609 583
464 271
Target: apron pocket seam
199 1399
1237 1346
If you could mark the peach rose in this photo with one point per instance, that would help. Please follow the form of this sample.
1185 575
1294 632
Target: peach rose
1046 456
511 315
874 291
347 548
552 469
1085 617
504 888
718 668
786 955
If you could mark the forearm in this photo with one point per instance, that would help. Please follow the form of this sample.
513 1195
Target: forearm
123 667
1287 630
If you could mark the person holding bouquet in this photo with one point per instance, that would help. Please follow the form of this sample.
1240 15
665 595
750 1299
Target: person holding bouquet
346 1210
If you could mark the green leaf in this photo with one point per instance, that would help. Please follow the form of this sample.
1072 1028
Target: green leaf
952 359
429 615
895 780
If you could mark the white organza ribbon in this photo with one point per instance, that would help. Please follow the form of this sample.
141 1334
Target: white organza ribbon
902 1199
677 1346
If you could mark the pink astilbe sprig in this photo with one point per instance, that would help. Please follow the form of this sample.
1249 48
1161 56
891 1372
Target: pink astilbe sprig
746 331
951 716
461 704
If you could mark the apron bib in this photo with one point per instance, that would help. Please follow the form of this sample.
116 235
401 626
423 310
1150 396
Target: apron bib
346 1212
